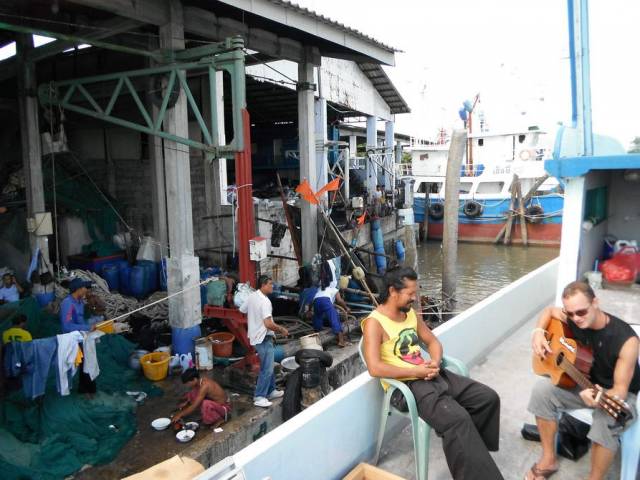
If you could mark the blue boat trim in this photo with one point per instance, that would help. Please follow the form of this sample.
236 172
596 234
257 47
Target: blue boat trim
578 166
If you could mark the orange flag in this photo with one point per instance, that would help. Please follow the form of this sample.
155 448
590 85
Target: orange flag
330 187
304 189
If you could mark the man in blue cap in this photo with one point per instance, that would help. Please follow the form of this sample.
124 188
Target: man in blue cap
72 308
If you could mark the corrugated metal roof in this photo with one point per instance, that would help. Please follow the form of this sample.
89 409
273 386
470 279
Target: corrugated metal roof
385 87
328 21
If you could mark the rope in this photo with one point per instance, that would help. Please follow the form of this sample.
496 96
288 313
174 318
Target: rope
164 298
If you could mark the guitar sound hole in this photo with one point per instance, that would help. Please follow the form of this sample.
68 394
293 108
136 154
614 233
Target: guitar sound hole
559 358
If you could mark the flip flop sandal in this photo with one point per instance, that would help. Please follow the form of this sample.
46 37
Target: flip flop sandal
537 472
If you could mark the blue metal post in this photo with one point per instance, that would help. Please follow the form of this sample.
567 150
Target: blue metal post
578 11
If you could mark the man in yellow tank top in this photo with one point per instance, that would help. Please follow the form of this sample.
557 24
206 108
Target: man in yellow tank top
465 413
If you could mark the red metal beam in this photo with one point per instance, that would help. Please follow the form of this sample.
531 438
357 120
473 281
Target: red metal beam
244 185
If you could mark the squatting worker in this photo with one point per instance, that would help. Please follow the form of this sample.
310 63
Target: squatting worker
206 395
465 413
72 319
615 370
261 330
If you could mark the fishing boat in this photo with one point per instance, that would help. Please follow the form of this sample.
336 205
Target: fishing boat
486 186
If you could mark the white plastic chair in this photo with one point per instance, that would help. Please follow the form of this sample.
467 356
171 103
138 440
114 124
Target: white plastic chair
630 441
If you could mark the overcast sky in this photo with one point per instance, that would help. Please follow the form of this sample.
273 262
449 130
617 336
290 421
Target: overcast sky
513 52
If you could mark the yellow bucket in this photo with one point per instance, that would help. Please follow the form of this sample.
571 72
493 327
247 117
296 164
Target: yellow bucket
106 326
155 365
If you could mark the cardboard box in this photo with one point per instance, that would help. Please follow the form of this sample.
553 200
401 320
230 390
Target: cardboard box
175 468
365 471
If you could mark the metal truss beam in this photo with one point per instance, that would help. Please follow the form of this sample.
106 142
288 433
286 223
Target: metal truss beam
74 95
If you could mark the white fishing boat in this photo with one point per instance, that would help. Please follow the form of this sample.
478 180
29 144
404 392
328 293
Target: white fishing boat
485 185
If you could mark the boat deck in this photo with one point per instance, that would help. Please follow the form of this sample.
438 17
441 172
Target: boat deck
507 370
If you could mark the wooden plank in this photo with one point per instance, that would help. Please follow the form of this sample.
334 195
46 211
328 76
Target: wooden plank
292 227
507 233
523 220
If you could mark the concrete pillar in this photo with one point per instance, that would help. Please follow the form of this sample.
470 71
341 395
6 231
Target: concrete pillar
183 271
389 136
215 171
372 142
308 168
30 140
158 191
322 160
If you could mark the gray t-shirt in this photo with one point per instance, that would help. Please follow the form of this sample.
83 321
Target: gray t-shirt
258 308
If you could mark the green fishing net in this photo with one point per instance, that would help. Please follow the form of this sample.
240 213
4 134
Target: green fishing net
53 436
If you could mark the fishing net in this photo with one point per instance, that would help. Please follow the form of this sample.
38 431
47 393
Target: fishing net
54 436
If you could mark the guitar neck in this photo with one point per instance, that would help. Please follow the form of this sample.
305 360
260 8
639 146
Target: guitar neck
577 376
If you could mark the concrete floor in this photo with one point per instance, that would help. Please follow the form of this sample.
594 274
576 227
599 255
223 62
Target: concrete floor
508 370
149 447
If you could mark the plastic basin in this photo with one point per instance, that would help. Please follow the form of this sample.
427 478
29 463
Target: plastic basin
155 365
221 343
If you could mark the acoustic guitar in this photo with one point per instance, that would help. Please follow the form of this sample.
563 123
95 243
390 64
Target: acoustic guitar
569 364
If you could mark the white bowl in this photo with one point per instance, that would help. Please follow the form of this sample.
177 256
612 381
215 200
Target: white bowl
185 436
161 423
289 363
192 426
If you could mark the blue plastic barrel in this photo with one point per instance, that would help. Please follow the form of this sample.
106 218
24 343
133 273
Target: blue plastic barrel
278 353
123 277
45 299
400 251
162 274
183 339
137 281
151 270
378 246
111 275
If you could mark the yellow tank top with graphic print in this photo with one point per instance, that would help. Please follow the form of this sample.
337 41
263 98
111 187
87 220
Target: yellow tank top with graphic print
402 349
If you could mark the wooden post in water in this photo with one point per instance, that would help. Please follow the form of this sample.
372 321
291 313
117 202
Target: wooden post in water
424 230
523 223
451 207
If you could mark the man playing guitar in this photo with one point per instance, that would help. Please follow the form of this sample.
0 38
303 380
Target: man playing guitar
614 372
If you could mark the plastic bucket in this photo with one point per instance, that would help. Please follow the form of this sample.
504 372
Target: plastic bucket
222 343
155 365
204 358
45 299
311 341
111 275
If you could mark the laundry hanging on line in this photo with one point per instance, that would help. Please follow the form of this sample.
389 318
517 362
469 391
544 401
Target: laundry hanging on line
32 361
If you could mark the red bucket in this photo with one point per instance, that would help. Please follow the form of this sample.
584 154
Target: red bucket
221 343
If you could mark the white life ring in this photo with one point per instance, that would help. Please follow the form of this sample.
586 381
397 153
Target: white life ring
525 155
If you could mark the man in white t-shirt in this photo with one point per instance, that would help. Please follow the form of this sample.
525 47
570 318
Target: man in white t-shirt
10 290
261 330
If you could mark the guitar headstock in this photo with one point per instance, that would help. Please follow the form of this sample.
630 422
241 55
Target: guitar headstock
614 406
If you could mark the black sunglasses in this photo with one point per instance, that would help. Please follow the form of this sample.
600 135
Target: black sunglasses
578 313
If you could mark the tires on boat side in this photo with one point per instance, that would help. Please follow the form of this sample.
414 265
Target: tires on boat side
436 211
534 213
472 209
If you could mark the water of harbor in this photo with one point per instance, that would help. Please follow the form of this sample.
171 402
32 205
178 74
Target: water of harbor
482 269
